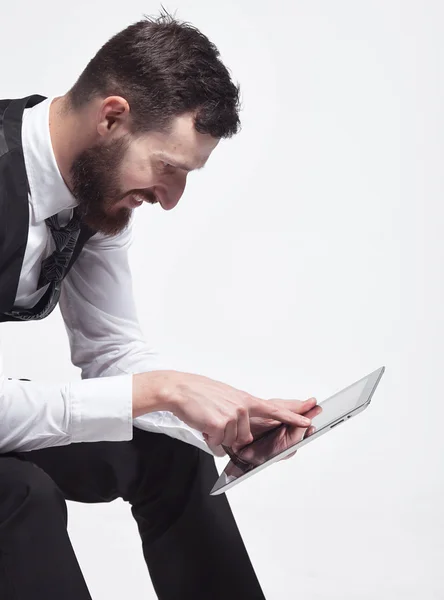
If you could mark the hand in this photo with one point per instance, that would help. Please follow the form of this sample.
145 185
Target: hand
274 438
310 410
268 445
307 433
221 412
259 426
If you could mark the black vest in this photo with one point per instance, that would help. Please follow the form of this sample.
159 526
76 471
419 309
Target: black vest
14 207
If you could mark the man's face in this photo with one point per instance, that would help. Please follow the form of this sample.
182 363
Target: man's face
122 171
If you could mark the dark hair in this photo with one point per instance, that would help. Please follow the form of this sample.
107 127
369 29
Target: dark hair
163 68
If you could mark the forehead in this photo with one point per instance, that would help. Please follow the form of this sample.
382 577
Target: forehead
181 143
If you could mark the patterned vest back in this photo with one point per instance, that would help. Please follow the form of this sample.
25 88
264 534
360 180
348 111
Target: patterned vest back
14 216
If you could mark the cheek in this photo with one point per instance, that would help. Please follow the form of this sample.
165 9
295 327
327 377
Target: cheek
136 179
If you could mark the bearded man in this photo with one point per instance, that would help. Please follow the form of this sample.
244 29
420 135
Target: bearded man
149 108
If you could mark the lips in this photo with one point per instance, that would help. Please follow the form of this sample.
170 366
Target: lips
136 201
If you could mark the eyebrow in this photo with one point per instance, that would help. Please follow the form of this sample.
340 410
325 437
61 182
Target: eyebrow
174 163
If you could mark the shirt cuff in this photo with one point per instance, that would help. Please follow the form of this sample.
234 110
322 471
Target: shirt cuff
102 409
167 423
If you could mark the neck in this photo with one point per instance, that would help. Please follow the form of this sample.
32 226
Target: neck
68 136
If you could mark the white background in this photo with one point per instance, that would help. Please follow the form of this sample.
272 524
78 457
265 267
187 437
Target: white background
306 254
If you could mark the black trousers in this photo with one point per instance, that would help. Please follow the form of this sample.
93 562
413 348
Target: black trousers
191 544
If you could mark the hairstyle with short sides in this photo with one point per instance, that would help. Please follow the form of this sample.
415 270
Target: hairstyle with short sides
163 68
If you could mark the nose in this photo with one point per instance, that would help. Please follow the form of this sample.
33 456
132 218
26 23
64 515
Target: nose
174 195
170 203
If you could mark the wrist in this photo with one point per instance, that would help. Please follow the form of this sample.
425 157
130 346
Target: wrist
152 391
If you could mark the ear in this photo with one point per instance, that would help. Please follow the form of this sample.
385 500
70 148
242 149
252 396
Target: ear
113 113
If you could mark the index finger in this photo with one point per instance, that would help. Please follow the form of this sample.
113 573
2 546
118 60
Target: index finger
296 406
275 410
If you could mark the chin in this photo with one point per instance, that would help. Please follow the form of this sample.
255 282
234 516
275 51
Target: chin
110 224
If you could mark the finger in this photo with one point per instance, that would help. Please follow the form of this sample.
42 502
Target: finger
310 401
314 412
294 404
216 450
296 434
244 435
216 432
274 410
230 433
297 406
310 431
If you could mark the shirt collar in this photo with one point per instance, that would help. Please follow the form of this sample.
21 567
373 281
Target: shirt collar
49 194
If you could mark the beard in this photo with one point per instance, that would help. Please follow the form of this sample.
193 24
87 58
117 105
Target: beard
95 185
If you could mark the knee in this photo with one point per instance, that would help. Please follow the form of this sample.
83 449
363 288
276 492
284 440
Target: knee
26 487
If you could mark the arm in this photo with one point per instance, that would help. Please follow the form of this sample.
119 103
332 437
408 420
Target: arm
38 415
99 312
105 338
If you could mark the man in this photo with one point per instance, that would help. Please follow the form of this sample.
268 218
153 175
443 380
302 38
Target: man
149 108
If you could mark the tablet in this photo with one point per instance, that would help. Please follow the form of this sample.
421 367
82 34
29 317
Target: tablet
283 440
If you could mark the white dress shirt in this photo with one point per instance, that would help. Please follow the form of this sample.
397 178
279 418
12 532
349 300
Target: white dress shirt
98 310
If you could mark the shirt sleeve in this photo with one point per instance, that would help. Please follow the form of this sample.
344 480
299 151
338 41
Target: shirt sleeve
105 337
40 415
